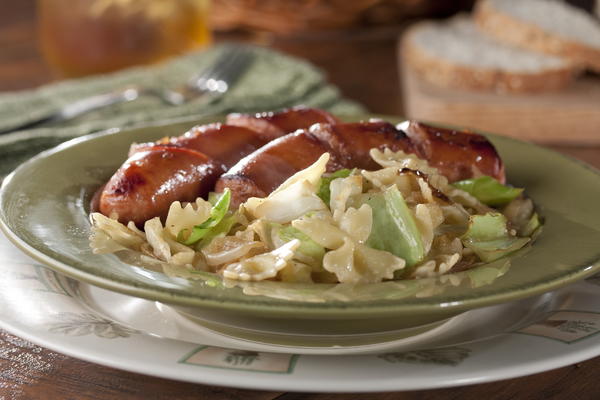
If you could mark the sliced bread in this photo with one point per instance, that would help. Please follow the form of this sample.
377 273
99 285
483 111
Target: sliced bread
454 54
547 26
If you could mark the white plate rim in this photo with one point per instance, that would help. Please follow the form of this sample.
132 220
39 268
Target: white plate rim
110 353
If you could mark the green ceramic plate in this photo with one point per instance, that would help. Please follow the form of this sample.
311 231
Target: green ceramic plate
44 211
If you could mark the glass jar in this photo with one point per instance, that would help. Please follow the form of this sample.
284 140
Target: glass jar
82 37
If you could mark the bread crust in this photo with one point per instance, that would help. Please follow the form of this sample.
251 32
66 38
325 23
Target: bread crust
514 31
449 74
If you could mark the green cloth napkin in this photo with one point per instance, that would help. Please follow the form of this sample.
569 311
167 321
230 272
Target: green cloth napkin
272 82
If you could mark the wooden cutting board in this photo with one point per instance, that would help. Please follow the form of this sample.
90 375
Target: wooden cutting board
570 116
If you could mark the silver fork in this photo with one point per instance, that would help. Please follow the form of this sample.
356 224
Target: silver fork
215 80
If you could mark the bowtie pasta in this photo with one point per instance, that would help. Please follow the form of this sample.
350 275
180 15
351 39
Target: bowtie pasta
403 221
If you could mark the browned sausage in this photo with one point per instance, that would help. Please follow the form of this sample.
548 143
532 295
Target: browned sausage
276 124
149 181
456 154
228 143
225 144
348 144
352 142
158 174
138 192
260 173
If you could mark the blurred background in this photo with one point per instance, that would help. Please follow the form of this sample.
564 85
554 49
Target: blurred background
47 40
355 43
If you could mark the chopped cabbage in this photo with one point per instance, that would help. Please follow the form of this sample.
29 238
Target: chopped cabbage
287 204
488 237
394 227
217 213
324 191
402 221
307 246
488 190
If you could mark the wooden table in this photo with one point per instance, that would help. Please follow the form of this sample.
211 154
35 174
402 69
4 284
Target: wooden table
28 371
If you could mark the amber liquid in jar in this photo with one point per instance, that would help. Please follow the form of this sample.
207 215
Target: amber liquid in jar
83 37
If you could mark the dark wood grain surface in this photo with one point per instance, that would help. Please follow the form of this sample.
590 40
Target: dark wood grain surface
28 371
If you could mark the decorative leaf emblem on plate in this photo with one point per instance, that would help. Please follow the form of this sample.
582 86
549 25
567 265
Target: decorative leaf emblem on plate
51 280
443 356
244 360
73 324
241 357
576 326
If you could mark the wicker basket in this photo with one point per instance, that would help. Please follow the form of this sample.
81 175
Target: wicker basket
290 16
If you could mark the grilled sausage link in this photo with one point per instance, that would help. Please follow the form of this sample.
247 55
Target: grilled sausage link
352 142
458 155
348 144
225 144
264 170
274 125
149 181
187 166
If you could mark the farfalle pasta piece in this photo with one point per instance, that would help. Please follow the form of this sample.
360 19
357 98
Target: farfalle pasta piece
341 263
342 189
446 244
262 266
131 225
350 260
413 188
323 233
357 223
426 191
180 254
262 229
440 265
380 264
401 160
109 235
247 234
407 186
185 217
440 182
296 272
102 243
164 247
381 178
446 262
428 217
154 235
456 215
356 263
227 249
